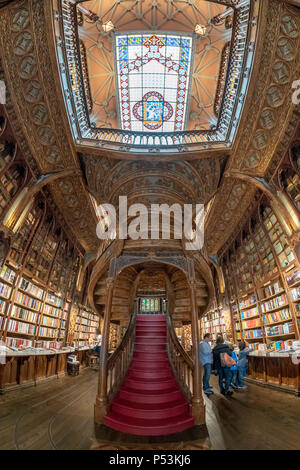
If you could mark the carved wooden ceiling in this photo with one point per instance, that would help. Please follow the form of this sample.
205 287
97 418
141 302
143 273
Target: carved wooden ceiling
37 113
153 182
154 15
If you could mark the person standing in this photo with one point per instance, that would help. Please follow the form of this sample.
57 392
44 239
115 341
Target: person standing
206 359
97 348
223 372
243 363
233 369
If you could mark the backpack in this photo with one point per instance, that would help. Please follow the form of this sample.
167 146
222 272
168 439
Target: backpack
226 360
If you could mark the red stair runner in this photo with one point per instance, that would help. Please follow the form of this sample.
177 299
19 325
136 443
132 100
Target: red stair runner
150 402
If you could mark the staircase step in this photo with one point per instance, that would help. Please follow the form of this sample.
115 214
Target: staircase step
150 340
150 411
151 355
150 366
151 348
148 427
150 332
152 384
150 402
145 374
146 396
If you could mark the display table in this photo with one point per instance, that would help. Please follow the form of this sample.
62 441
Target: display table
280 371
27 369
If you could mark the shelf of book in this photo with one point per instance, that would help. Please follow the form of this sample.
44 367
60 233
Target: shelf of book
272 309
214 323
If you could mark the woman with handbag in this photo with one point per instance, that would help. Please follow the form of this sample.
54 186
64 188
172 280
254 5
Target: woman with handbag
222 363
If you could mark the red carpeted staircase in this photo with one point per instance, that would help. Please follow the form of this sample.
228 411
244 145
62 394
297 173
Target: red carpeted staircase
150 402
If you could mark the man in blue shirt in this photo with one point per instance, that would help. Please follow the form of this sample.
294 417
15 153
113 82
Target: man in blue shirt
206 359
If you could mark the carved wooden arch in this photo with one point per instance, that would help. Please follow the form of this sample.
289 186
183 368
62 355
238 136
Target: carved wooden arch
186 265
35 187
267 189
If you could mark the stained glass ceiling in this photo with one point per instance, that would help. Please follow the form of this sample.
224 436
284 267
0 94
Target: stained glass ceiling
153 81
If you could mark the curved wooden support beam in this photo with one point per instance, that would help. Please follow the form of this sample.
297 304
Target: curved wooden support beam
29 192
271 192
36 187
87 260
214 261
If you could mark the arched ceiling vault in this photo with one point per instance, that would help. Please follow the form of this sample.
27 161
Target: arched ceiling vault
153 182
36 110
154 15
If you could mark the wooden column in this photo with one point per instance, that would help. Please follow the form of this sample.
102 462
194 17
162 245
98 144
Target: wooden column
100 408
198 407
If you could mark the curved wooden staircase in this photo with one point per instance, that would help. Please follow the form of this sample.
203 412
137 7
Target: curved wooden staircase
150 401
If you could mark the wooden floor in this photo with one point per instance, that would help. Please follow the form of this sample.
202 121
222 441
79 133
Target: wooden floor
59 415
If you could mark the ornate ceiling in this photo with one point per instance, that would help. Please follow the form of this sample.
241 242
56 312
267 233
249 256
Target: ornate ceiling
270 119
36 109
154 15
153 182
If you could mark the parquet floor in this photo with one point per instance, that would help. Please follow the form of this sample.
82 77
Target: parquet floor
58 414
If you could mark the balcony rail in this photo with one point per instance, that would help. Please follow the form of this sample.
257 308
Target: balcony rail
221 137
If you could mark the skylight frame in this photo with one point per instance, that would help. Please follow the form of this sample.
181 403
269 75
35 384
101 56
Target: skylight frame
175 34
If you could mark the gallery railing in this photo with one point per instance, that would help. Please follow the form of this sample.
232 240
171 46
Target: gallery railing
222 136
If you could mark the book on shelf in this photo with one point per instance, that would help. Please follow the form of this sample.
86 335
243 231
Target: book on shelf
295 293
7 274
251 323
18 342
51 310
272 289
20 327
54 300
249 313
279 316
48 321
278 330
47 332
280 345
293 277
5 290
274 303
23 314
3 305
31 288
247 302
27 301
252 334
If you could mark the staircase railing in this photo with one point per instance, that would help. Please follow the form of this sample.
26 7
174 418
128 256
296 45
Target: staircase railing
119 361
182 364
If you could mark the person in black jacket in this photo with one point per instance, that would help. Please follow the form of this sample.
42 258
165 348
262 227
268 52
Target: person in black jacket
223 372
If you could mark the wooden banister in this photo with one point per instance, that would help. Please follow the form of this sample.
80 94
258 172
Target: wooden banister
181 362
119 361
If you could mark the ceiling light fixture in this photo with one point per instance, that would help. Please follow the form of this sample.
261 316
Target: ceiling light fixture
107 26
200 29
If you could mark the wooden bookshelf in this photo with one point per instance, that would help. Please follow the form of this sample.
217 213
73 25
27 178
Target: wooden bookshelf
38 284
263 282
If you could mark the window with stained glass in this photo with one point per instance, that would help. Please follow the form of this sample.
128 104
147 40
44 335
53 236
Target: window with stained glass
153 73
150 305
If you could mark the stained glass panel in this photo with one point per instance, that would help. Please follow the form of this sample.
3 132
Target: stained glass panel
153 81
